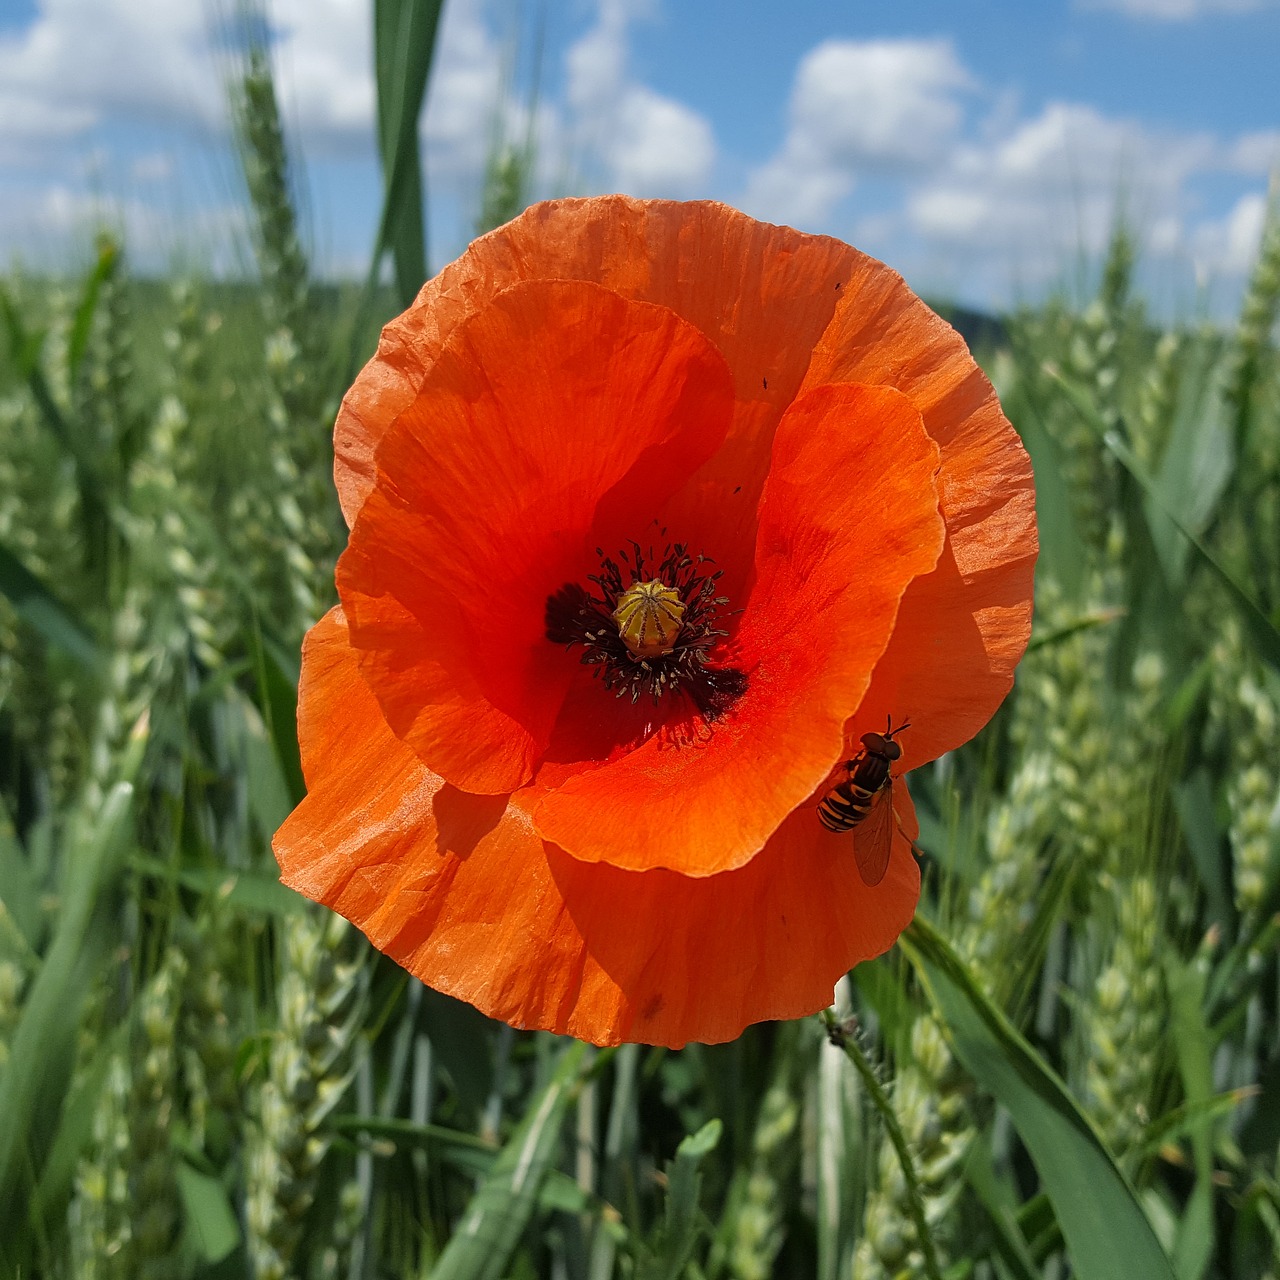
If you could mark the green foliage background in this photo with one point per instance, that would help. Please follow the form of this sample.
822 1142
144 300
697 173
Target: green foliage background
1070 1067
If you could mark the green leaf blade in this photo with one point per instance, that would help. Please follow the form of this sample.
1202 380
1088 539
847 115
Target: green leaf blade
483 1241
41 609
404 39
1107 1234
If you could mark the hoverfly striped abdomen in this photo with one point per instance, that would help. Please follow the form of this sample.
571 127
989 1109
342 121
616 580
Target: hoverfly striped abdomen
868 786
848 802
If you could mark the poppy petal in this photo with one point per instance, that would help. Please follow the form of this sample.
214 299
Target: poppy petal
549 418
345 742
847 518
676 972
962 628
763 295
459 890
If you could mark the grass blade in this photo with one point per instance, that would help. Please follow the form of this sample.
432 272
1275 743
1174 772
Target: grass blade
75 1132
462 1037
842 1039
1106 1232
1198 463
399 70
91 488
41 609
678 1233
1194 1243
44 1044
25 348
482 1243
404 33
1262 631
1010 1245
211 1221
82 322
1193 803
1062 551
277 677
839 1187
253 891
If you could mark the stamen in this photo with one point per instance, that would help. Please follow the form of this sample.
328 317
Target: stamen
651 628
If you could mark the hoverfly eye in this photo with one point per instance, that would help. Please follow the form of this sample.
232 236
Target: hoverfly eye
876 743
892 750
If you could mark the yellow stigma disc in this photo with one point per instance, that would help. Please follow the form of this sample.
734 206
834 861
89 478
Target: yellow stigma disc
649 615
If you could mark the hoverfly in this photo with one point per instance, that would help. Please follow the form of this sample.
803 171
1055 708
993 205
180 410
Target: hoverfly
863 803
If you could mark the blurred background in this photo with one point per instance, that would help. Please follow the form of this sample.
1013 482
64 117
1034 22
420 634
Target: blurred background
983 150
1071 1065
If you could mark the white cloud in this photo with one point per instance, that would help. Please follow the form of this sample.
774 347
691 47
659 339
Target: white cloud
82 60
323 60
465 93
1042 195
885 104
155 166
27 118
81 66
597 62
1257 154
81 63
1164 236
968 204
878 106
1053 184
661 147
645 143
1175 10
1229 246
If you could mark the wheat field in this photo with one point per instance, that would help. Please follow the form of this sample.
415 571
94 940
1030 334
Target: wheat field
1070 1067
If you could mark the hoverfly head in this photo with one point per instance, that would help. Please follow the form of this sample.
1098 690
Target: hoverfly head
888 747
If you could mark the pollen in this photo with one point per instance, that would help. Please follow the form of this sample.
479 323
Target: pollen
649 617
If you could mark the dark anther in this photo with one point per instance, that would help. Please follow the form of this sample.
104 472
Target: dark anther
564 612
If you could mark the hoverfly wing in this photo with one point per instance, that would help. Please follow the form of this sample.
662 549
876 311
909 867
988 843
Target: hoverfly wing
873 837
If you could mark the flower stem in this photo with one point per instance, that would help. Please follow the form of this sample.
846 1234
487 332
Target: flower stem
841 1035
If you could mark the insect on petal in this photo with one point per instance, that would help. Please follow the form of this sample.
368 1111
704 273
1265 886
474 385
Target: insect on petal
873 837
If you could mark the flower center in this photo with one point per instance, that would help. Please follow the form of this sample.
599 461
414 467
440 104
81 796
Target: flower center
650 627
649 616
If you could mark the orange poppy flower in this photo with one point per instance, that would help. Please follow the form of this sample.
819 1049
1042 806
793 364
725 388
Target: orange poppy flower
655 511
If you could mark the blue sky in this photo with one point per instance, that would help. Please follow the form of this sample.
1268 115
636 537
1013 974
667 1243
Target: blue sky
980 148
